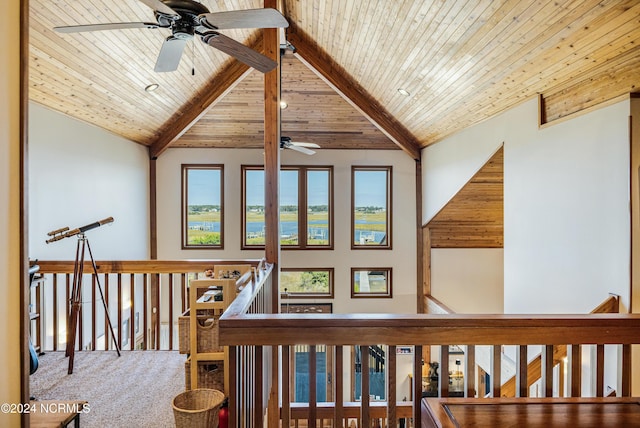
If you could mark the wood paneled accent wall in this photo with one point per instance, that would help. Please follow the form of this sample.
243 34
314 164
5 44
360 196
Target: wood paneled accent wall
473 218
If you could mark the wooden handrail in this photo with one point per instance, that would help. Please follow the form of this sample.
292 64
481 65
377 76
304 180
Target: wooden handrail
397 329
140 266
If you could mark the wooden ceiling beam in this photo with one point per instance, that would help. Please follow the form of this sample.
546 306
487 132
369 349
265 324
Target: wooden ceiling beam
314 57
232 73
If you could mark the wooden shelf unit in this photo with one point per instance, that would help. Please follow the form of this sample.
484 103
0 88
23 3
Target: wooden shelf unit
197 301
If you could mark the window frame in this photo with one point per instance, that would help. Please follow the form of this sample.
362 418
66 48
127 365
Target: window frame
302 207
329 295
389 207
368 295
185 168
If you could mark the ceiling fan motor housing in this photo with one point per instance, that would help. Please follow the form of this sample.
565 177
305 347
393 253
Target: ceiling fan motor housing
183 27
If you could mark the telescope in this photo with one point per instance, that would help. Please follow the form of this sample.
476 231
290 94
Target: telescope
64 232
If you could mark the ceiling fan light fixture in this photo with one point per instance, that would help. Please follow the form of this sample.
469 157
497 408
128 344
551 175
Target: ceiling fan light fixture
151 87
283 104
404 92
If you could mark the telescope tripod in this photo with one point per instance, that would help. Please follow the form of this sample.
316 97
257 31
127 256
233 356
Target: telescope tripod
76 299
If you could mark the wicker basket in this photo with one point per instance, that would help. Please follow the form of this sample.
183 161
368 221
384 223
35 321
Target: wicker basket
210 374
198 408
207 334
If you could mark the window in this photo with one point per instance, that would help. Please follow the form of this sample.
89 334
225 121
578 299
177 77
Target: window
371 282
306 211
202 206
371 207
306 283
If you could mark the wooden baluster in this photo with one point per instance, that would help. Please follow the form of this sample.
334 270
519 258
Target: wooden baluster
258 387
93 312
417 385
312 386
132 298
548 370
626 371
364 386
233 382
107 341
184 292
599 370
55 312
392 419
170 293
496 371
286 386
145 306
470 376
576 371
338 417
119 277
444 371
522 379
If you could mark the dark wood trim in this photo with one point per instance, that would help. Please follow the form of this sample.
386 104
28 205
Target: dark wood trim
329 295
425 288
24 207
388 295
232 73
303 170
420 271
319 61
153 210
272 149
184 183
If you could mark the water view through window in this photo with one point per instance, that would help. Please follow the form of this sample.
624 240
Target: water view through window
371 211
305 204
202 205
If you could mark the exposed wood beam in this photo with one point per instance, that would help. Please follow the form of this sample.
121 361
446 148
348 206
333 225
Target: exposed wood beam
335 76
220 85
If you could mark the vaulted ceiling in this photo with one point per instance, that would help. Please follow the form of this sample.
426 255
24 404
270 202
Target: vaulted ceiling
460 61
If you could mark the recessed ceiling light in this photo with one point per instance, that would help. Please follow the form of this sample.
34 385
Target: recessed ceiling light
152 87
404 92
283 104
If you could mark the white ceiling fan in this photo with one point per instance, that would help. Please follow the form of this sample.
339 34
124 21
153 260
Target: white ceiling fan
286 143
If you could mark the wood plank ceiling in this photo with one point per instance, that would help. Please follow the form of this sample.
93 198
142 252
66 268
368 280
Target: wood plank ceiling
461 61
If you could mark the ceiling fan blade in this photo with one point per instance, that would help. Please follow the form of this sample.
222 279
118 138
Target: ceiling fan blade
240 51
308 145
158 6
170 54
251 18
300 149
100 27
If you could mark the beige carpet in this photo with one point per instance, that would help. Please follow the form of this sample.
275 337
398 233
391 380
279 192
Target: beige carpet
133 390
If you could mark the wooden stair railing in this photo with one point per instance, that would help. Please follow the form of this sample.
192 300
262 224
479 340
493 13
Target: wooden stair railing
252 334
534 368
133 290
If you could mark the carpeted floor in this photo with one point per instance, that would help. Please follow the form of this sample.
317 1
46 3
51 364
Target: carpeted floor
133 390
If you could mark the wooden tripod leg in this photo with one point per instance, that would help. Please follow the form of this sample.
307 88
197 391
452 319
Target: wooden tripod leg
73 321
76 299
104 302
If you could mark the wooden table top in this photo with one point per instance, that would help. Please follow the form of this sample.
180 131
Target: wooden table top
530 412
54 413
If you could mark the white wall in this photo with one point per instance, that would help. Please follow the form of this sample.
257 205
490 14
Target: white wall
566 197
10 209
402 258
79 174
468 280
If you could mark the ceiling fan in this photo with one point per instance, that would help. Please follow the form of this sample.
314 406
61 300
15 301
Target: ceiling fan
188 18
286 143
